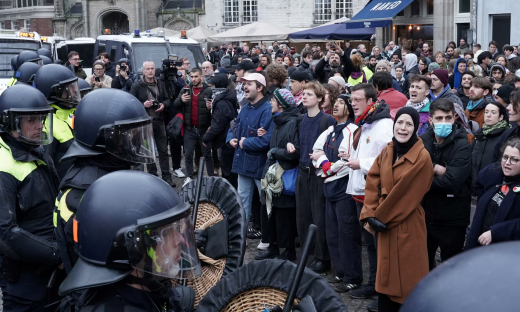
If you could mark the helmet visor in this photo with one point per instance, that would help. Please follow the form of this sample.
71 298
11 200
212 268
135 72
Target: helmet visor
38 61
131 141
67 92
167 250
30 127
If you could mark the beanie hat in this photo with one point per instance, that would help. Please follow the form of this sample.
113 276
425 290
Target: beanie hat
346 98
442 74
339 80
505 91
299 75
383 63
285 98
433 66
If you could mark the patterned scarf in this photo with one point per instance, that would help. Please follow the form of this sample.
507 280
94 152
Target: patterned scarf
361 120
298 97
418 106
499 125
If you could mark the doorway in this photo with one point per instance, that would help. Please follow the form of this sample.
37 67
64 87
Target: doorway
116 23
501 29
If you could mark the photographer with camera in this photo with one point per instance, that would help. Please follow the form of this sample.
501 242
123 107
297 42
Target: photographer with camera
152 93
331 63
98 79
124 78
194 103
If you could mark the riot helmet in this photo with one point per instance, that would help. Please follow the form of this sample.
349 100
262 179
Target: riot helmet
25 74
28 56
28 120
13 63
130 220
45 52
115 122
46 60
84 87
58 84
463 283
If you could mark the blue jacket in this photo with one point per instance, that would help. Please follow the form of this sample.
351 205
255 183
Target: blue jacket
507 220
250 160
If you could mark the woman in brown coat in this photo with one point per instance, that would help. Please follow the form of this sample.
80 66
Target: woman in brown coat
395 186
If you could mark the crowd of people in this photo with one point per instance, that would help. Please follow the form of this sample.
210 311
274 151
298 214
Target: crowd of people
384 149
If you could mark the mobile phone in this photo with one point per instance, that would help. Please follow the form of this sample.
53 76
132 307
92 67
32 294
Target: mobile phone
187 91
97 79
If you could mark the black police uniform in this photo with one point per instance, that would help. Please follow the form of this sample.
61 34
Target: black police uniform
53 81
28 188
123 223
91 160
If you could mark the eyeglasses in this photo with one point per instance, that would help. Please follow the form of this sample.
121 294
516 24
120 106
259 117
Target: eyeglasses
99 69
422 64
512 160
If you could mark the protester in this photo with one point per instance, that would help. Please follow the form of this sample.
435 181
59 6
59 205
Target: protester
497 217
390 206
423 65
99 79
298 81
395 61
514 118
419 91
374 132
496 122
439 59
447 203
480 89
456 79
492 48
332 61
503 93
484 63
275 75
359 73
464 47
280 201
399 75
330 98
411 70
330 153
464 89
310 200
382 81
124 76
338 82
440 88
75 65
498 72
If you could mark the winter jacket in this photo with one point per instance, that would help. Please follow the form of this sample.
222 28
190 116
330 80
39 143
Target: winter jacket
482 149
285 130
306 68
393 98
477 114
376 132
78 71
250 160
28 189
506 226
323 69
224 110
463 98
110 69
339 169
105 80
463 49
449 199
447 94
204 113
118 82
393 196
143 93
509 133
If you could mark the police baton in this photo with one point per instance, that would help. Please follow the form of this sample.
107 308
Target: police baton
196 204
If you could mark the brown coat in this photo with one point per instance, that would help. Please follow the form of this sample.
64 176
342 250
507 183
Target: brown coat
393 194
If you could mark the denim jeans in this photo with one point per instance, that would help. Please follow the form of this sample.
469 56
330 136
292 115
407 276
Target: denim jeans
246 187
193 137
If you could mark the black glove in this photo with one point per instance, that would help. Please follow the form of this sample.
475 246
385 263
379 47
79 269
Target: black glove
201 237
376 225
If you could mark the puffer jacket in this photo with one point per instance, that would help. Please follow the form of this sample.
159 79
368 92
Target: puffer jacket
483 147
449 200
185 107
225 107
285 130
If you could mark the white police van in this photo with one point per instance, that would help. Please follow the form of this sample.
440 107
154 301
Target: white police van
11 44
50 42
139 48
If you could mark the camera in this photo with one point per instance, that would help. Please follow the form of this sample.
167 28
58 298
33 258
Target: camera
155 104
169 67
97 79
122 67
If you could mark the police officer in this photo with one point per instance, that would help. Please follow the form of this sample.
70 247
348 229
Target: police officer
24 56
12 81
134 235
25 74
28 189
112 131
84 87
60 87
45 52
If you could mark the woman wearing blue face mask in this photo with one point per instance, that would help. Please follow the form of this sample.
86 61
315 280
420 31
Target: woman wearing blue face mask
447 204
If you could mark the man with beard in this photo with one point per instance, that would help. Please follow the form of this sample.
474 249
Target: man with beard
265 60
465 85
251 149
240 71
330 62
425 51
393 48
395 60
372 62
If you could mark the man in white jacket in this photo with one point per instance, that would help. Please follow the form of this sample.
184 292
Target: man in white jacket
374 133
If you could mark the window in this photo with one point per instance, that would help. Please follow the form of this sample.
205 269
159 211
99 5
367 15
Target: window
322 11
230 12
26 3
343 8
14 25
27 25
250 11
416 7
429 7
2 25
464 6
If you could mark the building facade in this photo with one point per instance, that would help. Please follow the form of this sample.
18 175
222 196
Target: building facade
29 15
495 20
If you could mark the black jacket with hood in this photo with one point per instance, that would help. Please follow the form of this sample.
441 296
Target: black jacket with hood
483 148
463 98
225 107
449 200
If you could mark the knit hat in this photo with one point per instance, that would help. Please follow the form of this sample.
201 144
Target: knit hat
285 98
442 74
299 75
433 66
383 63
339 80
505 91
99 62
346 98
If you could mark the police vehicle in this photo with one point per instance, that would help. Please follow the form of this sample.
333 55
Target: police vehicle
85 48
139 48
50 42
13 42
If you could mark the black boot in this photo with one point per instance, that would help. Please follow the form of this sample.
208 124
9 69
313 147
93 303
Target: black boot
288 254
319 266
270 253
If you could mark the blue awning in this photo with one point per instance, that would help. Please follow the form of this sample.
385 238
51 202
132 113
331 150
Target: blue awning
333 32
378 13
